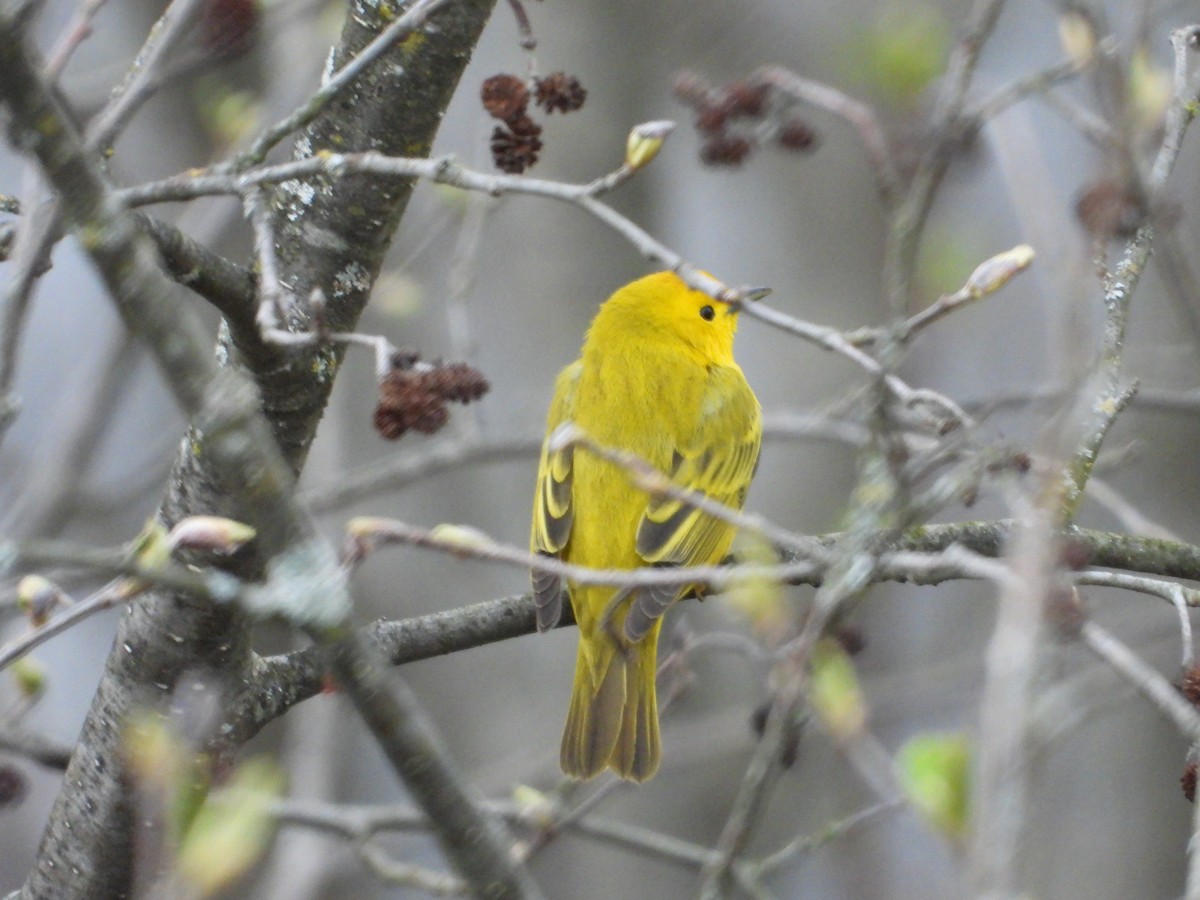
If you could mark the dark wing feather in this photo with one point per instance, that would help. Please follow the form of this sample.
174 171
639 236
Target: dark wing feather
718 460
553 508
648 606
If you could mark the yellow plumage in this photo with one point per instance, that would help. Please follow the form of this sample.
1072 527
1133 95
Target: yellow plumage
656 377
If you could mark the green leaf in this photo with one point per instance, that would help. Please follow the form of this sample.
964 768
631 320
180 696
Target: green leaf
901 51
936 772
834 691
232 830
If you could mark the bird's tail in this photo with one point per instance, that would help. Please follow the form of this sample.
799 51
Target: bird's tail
613 719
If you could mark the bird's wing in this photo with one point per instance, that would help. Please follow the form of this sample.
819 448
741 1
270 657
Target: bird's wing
553 510
718 460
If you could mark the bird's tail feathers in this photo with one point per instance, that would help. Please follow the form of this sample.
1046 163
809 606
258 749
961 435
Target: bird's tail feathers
613 718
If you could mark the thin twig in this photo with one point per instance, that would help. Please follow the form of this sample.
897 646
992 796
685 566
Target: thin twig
912 213
72 37
858 114
280 682
1037 83
445 170
43 227
393 872
414 17
55 481
987 278
1002 783
394 474
372 533
145 75
1148 682
1177 595
36 747
214 585
105 599
947 415
1181 109
654 483
273 303
472 841
360 825
763 769
1096 130
805 844
1127 514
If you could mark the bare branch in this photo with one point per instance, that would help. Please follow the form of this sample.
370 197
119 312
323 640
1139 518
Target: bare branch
1181 110
1148 682
1176 594
859 115
39 748
72 36
414 17
908 222
805 844
475 844
396 474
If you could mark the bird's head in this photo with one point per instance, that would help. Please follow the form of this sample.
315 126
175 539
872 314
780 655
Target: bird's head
662 307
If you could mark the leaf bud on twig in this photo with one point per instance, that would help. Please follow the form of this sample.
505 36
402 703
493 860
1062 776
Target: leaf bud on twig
37 597
992 274
835 693
214 534
1077 37
645 141
30 676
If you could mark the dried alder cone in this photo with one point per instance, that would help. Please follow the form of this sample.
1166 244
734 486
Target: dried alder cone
229 28
1109 210
789 750
413 395
515 148
505 97
560 91
737 118
1189 685
515 144
13 786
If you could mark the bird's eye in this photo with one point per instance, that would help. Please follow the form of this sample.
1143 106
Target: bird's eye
707 313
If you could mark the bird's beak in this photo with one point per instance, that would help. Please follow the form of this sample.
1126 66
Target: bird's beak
748 295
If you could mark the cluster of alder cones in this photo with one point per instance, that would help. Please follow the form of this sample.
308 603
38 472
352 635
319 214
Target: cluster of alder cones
516 143
733 120
413 396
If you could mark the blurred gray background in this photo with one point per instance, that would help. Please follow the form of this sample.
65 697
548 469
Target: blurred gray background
511 285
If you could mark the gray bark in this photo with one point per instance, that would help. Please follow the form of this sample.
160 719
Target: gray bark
88 849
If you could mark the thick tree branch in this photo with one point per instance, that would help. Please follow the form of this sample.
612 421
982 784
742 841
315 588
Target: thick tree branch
229 287
280 682
86 851
474 843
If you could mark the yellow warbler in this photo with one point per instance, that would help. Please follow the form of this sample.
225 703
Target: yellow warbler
657 378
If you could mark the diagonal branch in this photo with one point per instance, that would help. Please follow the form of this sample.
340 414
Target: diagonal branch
475 843
236 460
280 682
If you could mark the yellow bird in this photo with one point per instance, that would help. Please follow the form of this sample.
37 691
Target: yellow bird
656 377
